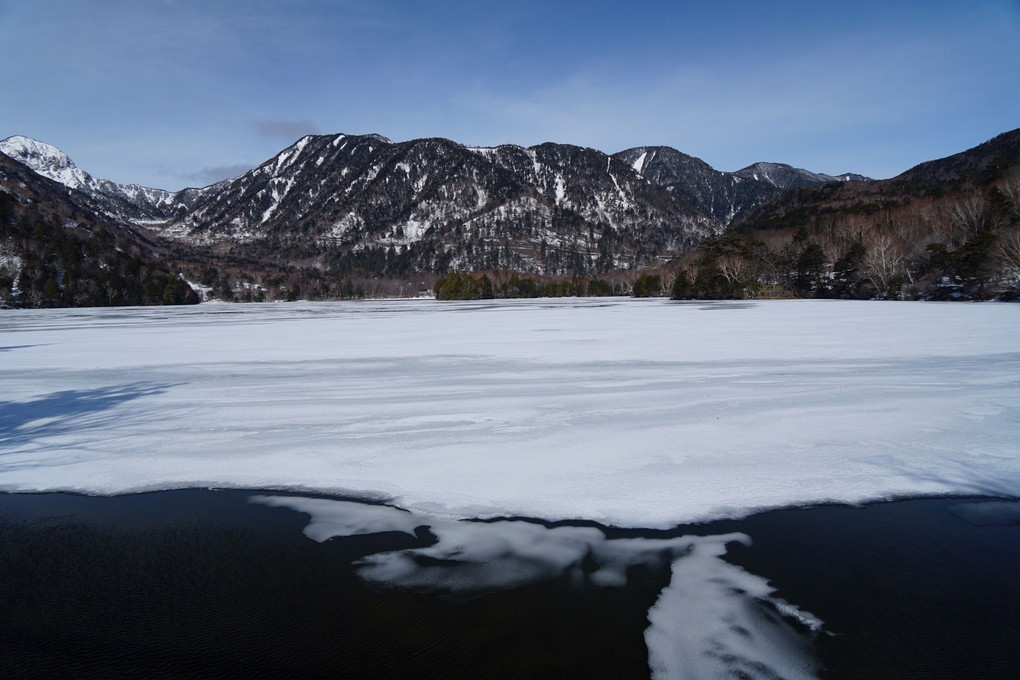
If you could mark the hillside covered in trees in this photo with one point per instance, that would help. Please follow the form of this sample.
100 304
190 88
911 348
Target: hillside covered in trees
57 253
945 230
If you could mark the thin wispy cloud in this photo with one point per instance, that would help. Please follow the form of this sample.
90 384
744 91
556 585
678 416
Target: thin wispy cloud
216 173
285 130
813 106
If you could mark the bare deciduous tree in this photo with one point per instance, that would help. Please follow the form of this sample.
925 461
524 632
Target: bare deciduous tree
882 261
733 268
688 264
855 229
968 213
1007 248
1010 188
770 258
832 245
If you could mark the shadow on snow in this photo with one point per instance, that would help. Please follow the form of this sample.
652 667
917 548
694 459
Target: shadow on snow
69 411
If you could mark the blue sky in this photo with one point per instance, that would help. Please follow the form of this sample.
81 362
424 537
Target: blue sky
174 93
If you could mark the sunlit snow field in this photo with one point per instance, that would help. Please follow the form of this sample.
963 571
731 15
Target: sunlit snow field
636 413
628 412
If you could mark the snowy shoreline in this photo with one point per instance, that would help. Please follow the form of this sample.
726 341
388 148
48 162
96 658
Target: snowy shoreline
610 529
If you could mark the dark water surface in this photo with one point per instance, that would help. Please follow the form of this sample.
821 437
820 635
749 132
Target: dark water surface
200 584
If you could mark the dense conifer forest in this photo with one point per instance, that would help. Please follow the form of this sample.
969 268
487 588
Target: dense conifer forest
77 266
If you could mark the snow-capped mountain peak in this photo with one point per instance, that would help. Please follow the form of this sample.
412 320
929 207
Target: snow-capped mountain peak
132 202
47 160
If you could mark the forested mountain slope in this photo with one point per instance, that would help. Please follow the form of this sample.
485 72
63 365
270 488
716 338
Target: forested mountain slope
945 229
55 251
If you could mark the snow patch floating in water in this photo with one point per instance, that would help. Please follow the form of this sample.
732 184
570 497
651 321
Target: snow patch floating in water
480 556
331 518
713 620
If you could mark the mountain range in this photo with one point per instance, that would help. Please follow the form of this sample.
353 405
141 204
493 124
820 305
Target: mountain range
435 204
332 208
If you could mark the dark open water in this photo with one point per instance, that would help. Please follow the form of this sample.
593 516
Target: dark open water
202 584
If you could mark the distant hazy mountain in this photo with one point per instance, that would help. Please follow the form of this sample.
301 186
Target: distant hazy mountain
723 196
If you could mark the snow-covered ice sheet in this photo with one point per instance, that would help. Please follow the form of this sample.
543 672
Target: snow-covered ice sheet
630 412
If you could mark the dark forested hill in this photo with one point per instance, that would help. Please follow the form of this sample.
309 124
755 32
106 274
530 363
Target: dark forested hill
945 229
55 251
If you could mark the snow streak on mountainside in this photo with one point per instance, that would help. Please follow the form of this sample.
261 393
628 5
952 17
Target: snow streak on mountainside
549 208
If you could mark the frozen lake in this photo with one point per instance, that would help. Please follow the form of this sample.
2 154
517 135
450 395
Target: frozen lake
641 413
630 413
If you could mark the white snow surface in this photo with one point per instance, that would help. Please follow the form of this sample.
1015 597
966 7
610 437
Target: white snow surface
643 413
639 162
45 159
